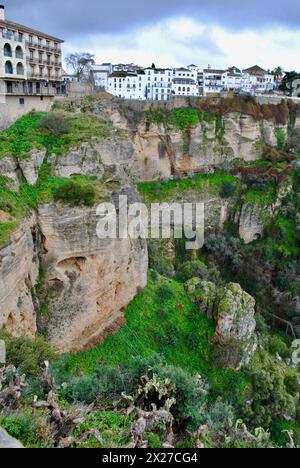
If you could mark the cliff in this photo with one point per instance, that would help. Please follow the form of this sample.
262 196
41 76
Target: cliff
56 276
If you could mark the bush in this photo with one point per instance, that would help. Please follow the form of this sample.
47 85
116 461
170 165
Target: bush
165 293
192 269
278 346
56 123
270 397
26 354
75 194
227 190
30 430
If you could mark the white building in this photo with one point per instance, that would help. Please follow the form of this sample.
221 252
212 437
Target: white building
30 61
185 82
100 74
214 81
159 83
233 80
257 80
69 77
127 85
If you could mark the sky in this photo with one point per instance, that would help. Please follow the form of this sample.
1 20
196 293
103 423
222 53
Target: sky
220 33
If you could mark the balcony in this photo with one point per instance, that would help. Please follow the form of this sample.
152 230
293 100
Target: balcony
12 36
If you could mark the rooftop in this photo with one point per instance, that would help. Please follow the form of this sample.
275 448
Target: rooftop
26 29
256 70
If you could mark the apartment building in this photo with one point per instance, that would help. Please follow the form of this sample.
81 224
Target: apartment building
100 74
185 82
257 80
214 81
233 80
159 83
30 61
30 70
127 85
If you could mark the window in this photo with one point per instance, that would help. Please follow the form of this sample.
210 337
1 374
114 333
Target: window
9 68
20 69
22 101
30 39
7 50
19 53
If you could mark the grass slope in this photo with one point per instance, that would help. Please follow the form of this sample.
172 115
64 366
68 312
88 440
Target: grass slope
163 320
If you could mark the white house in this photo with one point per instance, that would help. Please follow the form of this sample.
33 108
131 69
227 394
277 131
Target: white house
159 83
185 82
214 81
257 80
101 73
233 79
127 85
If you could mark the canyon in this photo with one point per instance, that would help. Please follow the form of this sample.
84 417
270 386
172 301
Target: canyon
54 262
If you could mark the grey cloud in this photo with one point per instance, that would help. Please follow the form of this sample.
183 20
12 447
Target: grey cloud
70 18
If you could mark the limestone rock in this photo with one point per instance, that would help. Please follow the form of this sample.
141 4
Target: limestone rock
233 311
31 165
203 293
252 221
91 281
235 330
8 168
8 442
18 274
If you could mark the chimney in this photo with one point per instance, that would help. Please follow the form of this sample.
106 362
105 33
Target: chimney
2 12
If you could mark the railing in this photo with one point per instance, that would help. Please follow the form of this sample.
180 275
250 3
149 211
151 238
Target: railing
40 92
12 37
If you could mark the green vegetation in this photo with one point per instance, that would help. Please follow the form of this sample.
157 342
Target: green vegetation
75 191
280 136
55 132
161 320
113 427
27 354
172 190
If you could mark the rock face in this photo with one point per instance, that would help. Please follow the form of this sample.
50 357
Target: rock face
8 168
252 221
30 166
18 274
146 151
235 331
90 280
8 442
87 281
233 311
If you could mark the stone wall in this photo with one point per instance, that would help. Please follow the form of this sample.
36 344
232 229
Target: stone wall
11 109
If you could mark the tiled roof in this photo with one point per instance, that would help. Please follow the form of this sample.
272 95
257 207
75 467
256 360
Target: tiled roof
256 70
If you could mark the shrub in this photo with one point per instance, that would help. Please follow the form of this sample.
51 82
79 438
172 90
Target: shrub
27 354
55 123
270 397
165 293
75 194
81 389
227 190
278 346
30 430
192 269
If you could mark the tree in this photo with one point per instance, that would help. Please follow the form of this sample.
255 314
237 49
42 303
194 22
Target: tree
288 80
81 63
278 72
